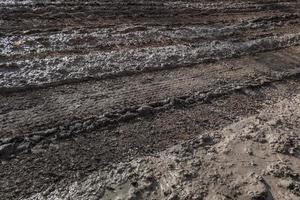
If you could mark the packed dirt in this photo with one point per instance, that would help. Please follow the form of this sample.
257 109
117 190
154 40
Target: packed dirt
150 99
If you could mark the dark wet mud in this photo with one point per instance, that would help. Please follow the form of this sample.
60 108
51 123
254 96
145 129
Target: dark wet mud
149 99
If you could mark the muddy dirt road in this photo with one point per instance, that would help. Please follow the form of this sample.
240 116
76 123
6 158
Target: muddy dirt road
150 99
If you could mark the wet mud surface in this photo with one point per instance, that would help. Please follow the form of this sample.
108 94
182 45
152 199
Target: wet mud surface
149 99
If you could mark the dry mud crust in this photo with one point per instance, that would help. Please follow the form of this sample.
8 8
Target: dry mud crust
239 161
86 85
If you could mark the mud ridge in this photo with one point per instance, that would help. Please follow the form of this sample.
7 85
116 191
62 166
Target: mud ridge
91 66
12 146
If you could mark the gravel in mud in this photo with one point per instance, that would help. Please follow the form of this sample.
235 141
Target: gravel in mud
150 99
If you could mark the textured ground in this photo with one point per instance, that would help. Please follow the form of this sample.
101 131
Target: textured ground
150 99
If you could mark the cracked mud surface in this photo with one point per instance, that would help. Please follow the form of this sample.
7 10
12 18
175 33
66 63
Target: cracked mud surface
149 99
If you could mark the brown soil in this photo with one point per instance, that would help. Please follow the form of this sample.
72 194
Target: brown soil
149 100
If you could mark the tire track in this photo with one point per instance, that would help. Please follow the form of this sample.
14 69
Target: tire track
88 84
65 161
109 95
212 85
